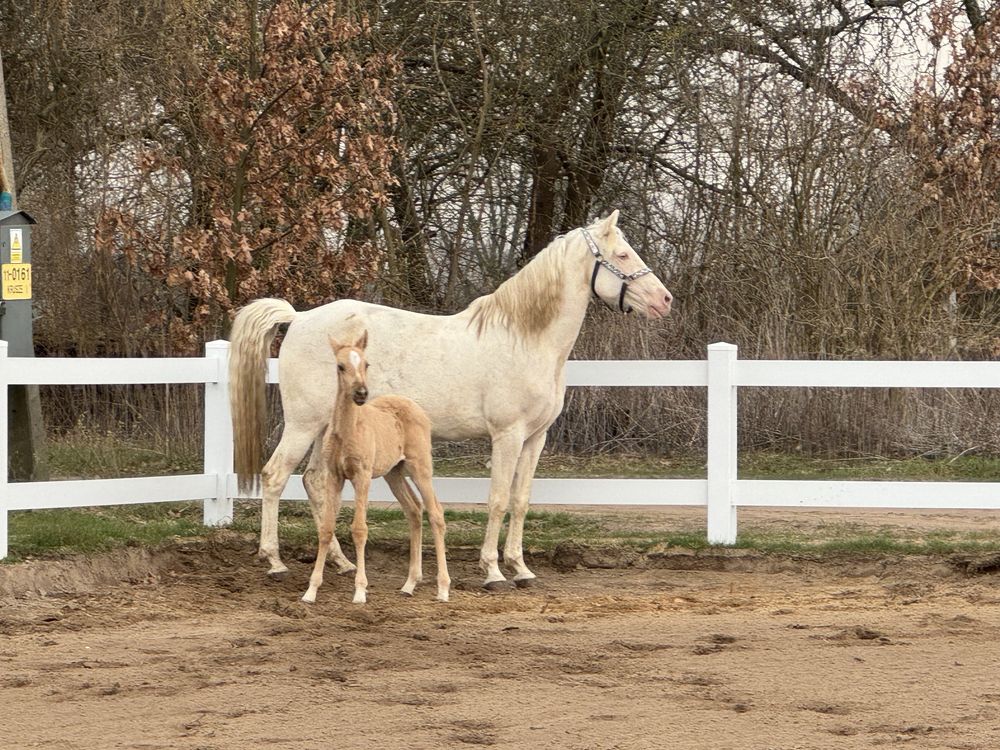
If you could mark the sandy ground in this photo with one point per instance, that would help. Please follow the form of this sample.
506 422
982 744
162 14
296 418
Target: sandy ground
199 650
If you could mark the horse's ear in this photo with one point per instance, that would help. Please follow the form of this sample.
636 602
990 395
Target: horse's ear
609 223
334 344
362 341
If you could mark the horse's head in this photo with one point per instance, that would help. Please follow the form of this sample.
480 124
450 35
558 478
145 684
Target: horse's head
619 277
352 367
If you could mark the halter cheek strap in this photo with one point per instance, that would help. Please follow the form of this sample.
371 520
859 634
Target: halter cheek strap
601 262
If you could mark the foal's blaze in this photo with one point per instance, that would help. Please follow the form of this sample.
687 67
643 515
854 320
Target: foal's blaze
352 369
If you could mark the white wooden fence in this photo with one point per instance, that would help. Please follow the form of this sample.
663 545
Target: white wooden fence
721 492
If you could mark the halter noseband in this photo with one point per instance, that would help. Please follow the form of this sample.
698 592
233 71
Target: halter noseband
599 261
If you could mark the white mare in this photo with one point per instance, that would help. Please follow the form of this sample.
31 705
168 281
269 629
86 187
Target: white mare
494 370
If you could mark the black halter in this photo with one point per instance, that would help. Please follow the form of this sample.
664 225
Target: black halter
599 261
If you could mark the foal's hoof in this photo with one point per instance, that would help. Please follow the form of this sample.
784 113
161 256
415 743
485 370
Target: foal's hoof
277 575
501 585
524 583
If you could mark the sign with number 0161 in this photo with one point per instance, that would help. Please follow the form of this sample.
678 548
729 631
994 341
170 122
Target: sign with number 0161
16 281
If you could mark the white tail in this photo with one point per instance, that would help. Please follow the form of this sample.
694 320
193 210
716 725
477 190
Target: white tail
253 332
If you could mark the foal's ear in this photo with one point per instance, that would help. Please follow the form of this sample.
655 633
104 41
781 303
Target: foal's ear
334 344
362 341
606 226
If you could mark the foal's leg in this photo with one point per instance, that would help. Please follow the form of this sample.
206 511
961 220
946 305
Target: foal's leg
326 525
414 514
359 530
513 554
318 481
420 470
295 441
506 449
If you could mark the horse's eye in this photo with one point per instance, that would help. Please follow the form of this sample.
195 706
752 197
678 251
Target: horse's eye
340 367
622 256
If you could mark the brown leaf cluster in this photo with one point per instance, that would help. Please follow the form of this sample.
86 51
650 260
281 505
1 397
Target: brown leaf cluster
286 147
953 134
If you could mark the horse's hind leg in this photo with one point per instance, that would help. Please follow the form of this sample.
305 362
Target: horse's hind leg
295 441
414 514
318 481
421 472
513 553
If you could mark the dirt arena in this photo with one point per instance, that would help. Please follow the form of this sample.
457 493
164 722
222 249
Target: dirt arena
192 647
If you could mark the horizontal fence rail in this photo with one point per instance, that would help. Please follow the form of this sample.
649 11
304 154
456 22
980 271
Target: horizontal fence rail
111 371
721 492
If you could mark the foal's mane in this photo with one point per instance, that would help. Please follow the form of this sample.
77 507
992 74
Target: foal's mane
529 300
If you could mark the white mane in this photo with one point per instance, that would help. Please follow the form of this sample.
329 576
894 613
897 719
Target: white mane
529 300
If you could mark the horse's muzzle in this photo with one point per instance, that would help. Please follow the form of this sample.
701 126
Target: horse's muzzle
361 396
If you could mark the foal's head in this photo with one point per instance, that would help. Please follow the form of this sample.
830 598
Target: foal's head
352 368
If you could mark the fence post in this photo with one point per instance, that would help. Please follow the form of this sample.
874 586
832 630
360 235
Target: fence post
722 422
4 455
218 437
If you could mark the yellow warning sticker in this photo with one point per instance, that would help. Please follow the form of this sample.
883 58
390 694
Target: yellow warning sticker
16 281
15 245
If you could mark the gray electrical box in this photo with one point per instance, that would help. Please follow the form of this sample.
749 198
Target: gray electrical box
27 436
15 282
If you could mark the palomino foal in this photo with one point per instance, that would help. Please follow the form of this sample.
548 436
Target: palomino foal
389 437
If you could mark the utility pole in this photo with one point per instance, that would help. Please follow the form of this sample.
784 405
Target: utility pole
27 434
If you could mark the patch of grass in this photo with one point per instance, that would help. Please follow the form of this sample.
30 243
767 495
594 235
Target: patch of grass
544 530
86 453
757 465
790 466
601 465
465 527
53 533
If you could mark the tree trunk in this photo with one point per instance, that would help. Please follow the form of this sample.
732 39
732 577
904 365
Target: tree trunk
542 210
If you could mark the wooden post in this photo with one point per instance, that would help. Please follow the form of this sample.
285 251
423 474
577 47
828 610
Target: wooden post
6 156
4 493
27 458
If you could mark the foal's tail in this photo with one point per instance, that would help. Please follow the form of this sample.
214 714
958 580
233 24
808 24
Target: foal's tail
250 344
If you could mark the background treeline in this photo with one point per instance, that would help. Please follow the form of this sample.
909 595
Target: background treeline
812 180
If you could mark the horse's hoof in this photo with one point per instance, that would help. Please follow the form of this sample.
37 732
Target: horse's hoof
407 594
277 575
524 583
345 571
500 585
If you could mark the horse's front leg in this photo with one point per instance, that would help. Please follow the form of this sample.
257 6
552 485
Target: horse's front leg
326 525
435 514
504 456
359 531
513 552
318 481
